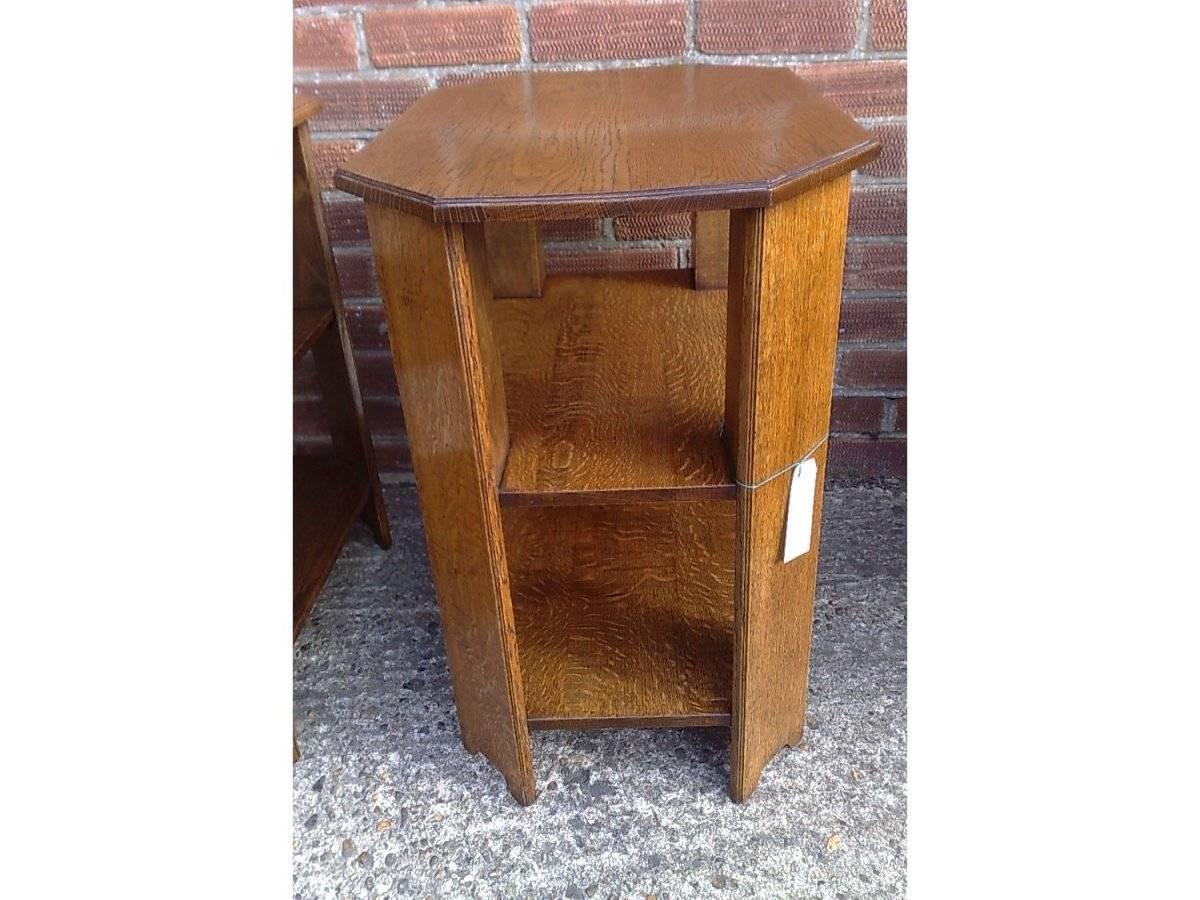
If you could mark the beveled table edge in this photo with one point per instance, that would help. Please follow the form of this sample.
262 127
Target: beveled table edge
686 198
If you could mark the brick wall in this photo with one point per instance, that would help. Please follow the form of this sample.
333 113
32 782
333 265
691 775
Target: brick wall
368 60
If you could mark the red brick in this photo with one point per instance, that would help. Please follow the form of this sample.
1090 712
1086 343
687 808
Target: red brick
328 155
620 29
876 267
346 220
862 88
879 211
361 105
449 79
876 368
776 26
861 415
860 455
892 161
324 42
889 25
384 415
630 259
441 36
368 328
376 375
664 227
873 320
902 414
571 230
356 272
301 3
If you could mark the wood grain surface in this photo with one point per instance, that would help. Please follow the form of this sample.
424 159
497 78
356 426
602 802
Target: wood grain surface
773 632
473 280
561 145
784 294
624 613
615 389
784 301
516 262
437 301
710 250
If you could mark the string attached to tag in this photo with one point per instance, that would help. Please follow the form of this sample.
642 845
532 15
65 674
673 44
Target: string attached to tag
802 497
792 465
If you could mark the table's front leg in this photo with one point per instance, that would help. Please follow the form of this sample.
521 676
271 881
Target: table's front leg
785 279
437 300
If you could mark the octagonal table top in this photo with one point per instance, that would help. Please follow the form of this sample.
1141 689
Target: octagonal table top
558 145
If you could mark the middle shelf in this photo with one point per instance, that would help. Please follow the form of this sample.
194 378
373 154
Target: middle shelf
615 391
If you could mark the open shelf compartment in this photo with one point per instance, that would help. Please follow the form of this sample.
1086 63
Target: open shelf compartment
615 391
618 501
624 613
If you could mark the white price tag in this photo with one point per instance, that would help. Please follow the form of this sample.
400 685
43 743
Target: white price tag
797 532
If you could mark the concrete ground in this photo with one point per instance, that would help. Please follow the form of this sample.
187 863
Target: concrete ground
388 803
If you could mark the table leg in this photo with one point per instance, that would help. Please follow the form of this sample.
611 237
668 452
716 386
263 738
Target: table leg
437 299
784 296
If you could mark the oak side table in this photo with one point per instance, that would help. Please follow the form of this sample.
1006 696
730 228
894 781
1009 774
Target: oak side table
604 462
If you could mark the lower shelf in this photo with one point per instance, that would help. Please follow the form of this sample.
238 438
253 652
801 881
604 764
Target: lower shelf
624 613
327 496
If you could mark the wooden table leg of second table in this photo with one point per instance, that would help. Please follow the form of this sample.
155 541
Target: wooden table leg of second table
437 300
784 296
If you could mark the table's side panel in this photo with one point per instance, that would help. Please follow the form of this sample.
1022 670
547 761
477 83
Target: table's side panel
784 296
436 298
